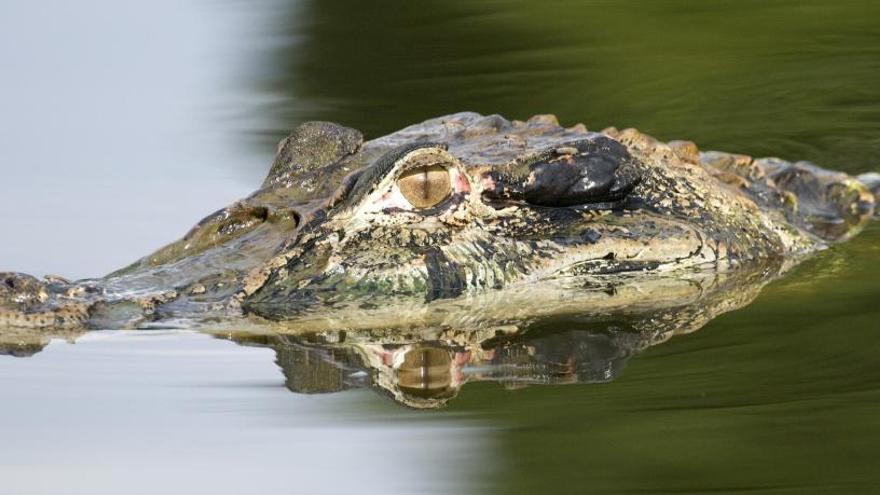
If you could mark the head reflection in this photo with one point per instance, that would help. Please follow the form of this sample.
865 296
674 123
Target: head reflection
428 374
587 338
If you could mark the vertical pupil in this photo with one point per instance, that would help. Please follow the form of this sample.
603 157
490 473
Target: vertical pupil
425 186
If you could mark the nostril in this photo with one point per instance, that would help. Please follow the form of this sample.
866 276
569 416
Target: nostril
261 213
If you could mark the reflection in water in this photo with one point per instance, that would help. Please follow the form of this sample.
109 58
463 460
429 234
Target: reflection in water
548 335
427 374
587 340
22 342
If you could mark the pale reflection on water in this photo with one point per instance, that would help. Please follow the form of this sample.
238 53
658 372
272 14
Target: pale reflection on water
153 412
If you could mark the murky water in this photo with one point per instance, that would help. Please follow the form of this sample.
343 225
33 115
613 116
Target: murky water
123 127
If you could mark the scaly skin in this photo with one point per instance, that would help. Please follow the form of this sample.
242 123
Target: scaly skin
537 211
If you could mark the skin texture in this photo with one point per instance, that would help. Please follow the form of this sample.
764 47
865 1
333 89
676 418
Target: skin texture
537 212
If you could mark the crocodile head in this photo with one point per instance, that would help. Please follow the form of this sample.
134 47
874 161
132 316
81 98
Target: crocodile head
466 204
434 220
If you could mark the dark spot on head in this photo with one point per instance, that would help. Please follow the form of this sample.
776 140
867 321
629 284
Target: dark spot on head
594 170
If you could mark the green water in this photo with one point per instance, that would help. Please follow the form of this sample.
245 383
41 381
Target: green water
781 396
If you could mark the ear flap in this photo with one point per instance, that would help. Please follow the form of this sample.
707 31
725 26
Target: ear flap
309 147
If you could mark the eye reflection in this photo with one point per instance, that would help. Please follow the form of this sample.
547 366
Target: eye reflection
425 187
426 373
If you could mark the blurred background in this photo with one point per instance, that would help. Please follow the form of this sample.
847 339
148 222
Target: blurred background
122 124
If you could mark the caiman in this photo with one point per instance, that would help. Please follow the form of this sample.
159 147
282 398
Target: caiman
465 220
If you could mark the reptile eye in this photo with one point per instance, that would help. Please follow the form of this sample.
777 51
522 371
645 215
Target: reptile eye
426 186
